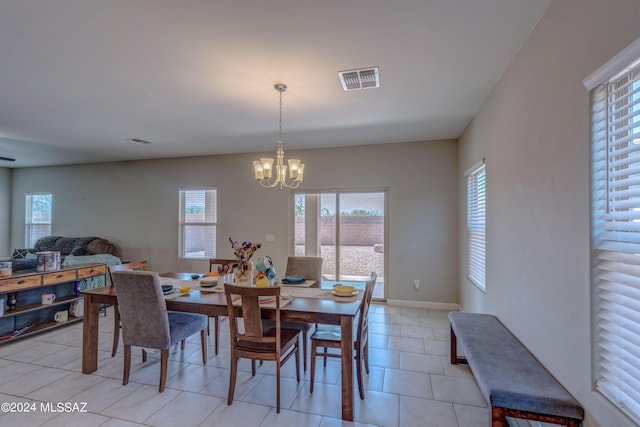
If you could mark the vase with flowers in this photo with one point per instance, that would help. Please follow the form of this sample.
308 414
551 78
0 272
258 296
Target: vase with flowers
243 253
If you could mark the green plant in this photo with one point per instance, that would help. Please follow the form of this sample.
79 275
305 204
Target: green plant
299 208
41 202
195 209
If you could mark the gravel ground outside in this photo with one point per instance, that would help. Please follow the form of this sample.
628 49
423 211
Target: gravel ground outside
356 260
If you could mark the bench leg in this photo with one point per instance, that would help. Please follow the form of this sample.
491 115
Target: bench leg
498 417
454 350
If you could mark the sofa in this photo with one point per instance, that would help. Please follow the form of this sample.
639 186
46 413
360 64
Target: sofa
84 247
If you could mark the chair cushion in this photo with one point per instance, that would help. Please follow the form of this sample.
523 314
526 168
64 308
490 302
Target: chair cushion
330 333
287 337
183 325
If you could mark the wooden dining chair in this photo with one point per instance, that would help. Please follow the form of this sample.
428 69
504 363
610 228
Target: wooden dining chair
329 336
311 269
258 343
220 261
129 266
215 262
146 322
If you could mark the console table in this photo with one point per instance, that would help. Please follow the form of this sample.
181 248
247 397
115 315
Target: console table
31 316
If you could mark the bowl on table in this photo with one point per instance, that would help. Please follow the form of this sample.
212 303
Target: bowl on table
208 282
344 291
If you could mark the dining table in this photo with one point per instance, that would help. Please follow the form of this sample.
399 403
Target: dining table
299 303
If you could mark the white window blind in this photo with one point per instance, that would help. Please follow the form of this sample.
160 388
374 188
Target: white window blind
198 218
476 220
615 274
37 218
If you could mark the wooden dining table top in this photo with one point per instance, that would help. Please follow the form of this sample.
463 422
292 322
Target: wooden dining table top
297 307
190 277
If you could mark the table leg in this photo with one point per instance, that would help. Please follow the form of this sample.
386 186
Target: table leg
90 336
346 330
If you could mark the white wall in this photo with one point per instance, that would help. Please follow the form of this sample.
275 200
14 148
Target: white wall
534 132
135 205
5 211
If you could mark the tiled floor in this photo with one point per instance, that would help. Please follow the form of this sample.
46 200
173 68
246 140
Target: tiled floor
411 383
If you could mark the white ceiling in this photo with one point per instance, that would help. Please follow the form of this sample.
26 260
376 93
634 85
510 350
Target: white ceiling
195 77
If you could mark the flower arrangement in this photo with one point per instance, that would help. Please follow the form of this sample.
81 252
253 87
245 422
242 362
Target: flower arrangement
243 253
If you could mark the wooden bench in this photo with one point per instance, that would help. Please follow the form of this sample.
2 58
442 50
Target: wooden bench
511 379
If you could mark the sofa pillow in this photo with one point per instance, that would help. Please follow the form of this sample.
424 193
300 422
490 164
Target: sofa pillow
65 245
22 253
23 264
77 250
99 246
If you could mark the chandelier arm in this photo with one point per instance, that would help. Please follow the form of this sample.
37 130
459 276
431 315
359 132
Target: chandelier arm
266 184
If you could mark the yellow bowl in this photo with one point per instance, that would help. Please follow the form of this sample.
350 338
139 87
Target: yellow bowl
344 290
184 288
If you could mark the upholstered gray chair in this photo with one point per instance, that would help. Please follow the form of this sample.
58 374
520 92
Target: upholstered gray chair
309 267
329 336
147 323
136 265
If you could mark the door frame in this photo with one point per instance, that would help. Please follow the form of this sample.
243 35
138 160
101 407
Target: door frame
337 192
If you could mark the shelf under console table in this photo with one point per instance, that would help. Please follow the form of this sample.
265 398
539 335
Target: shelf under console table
30 316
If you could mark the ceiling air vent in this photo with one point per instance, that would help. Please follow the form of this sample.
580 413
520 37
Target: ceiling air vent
138 140
365 78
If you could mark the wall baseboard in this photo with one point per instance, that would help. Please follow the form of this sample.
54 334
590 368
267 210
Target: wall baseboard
427 305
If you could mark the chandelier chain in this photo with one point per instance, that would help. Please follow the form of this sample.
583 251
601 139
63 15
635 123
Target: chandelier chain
280 123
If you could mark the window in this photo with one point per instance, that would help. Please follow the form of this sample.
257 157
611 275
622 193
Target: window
615 233
37 218
476 214
198 219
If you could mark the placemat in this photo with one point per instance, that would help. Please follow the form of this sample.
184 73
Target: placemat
305 284
176 283
209 289
292 291
271 304
175 294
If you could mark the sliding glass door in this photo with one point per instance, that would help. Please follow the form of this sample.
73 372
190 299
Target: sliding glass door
345 228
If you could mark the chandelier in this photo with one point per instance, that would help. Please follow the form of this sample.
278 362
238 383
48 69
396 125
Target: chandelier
263 168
